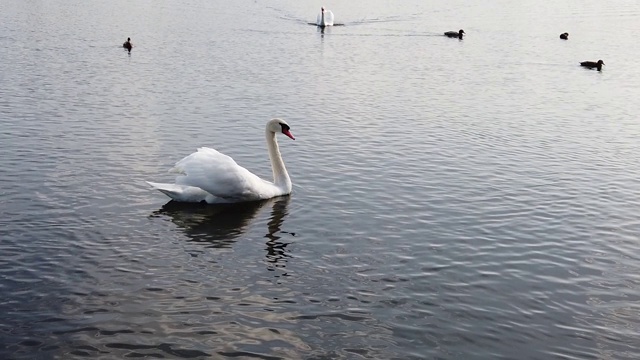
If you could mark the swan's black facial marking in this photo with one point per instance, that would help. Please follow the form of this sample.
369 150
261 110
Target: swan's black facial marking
285 130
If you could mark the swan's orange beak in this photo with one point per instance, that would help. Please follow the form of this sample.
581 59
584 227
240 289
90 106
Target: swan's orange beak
288 133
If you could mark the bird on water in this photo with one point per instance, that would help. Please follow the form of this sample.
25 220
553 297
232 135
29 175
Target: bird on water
455 34
210 176
325 18
564 36
127 44
593 64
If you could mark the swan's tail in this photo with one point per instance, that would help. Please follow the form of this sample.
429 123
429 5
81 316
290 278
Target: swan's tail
182 193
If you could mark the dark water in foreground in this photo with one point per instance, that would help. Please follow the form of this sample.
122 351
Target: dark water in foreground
471 199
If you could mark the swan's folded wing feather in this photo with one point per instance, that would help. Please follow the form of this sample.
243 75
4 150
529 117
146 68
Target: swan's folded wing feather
181 192
218 174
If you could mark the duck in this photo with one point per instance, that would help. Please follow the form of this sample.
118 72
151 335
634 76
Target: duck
127 44
212 177
455 34
564 36
593 64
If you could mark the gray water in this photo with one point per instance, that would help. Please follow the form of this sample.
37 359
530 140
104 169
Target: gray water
473 199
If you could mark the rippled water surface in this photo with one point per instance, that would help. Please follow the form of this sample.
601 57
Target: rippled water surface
473 199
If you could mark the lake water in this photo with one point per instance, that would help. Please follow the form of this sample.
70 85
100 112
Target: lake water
473 199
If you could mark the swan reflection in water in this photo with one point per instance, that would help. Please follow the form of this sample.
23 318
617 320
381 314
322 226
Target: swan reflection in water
276 249
218 226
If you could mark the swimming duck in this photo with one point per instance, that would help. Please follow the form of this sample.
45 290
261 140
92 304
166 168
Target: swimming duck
564 36
593 64
127 44
455 34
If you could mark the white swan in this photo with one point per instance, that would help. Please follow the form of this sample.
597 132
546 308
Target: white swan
208 175
325 18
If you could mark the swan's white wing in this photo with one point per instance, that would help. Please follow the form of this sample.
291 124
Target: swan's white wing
328 18
221 176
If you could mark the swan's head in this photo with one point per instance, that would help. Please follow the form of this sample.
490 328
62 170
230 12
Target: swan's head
280 126
322 9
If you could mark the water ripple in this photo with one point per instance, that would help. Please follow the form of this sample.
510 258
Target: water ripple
452 199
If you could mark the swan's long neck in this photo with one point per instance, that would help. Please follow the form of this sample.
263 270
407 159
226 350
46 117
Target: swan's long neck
280 175
322 19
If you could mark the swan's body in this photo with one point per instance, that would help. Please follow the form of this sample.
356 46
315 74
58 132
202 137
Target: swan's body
325 18
210 176
455 34
593 64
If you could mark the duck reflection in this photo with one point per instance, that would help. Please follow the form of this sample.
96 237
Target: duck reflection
218 226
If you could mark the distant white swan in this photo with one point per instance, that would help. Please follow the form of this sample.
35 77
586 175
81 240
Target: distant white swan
210 176
325 18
